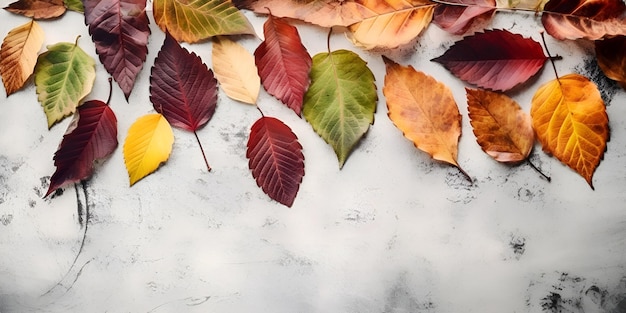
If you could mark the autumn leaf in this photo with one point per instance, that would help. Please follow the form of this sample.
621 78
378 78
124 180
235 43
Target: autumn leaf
192 21
120 31
64 75
91 136
502 129
458 16
341 100
588 19
570 120
612 63
18 55
275 159
182 88
74 5
495 59
148 144
235 70
392 25
283 63
37 9
424 110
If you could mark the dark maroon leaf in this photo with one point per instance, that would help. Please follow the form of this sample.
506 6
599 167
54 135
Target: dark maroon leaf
182 88
91 136
496 59
457 19
589 19
275 159
120 31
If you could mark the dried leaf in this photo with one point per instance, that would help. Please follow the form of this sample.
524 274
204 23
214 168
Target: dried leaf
91 136
192 21
148 144
502 129
612 63
341 100
457 18
37 9
570 120
18 55
120 31
283 63
589 19
275 159
495 59
64 75
235 70
424 110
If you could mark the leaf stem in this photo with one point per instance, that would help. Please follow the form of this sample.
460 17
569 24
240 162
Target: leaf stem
110 90
208 167
548 178
467 176
545 45
330 32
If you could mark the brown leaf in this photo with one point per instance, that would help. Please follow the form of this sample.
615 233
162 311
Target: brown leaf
612 63
588 19
501 128
38 9
424 110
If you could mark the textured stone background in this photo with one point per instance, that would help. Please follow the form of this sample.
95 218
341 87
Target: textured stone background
393 231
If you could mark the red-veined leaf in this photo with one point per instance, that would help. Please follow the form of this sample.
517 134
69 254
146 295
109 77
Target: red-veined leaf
457 19
275 159
589 19
91 136
37 9
120 31
495 59
283 63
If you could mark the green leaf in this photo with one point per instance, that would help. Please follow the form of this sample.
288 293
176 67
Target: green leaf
192 21
341 100
74 5
64 75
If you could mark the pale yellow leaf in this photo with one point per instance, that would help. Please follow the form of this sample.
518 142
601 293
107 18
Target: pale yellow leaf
148 144
236 71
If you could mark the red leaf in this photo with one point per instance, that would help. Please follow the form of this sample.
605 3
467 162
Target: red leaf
120 31
283 63
276 159
182 88
91 136
457 19
589 19
495 59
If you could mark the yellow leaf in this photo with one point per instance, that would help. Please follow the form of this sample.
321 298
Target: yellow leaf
18 55
235 70
570 120
148 144
424 110
393 25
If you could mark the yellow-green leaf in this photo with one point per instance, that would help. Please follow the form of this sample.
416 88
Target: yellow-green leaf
18 55
341 100
235 70
148 144
64 75
195 20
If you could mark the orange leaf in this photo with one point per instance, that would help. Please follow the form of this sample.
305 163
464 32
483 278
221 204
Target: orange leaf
502 129
612 64
570 120
18 55
424 110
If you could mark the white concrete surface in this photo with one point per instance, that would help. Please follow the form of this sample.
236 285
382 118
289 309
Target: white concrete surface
394 231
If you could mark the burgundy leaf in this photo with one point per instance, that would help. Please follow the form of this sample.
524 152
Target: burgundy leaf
457 19
589 19
275 159
283 63
182 88
38 9
120 31
495 59
91 136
